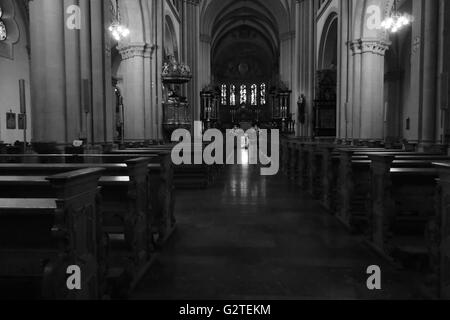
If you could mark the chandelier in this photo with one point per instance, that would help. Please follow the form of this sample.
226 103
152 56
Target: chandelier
3 33
117 30
396 21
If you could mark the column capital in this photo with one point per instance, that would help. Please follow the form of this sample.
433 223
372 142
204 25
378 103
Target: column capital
374 46
132 50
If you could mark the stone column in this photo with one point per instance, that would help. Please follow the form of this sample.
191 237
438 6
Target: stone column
48 81
133 90
429 73
85 68
345 71
134 59
310 11
296 91
102 105
423 72
157 99
73 79
305 56
443 120
191 49
354 114
368 98
61 57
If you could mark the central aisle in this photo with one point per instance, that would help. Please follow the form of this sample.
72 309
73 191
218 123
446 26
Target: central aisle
253 237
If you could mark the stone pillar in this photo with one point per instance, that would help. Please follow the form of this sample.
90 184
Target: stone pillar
368 98
102 105
134 56
423 72
296 91
354 114
73 79
48 89
191 49
345 71
85 68
443 120
305 58
429 46
61 57
157 99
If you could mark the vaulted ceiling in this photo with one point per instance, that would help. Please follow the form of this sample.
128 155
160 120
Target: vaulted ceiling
245 32
271 18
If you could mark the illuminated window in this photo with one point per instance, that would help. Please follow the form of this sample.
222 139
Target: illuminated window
254 95
233 95
224 94
263 94
243 94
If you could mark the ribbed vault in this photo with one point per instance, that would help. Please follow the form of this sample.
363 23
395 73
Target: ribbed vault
251 28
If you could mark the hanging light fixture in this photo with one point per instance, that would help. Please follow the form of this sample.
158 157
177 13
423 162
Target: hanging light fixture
118 31
3 32
396 21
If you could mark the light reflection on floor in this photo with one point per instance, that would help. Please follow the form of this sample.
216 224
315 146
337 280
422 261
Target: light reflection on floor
254 237
245 157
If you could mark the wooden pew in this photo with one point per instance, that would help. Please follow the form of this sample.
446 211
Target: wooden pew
354 184
441 231
127 216
41 238
161 172
288 155
318 169
402 192
185 176
328 173
72 158
408 210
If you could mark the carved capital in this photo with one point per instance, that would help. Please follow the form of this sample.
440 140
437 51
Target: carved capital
373 46
133 50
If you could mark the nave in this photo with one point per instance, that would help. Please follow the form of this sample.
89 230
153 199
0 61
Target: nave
253 237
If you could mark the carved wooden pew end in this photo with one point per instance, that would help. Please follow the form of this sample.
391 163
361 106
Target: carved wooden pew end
63 231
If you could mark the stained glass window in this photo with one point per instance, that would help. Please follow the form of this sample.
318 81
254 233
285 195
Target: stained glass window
263 93
233 95
254 95
243 94
224 94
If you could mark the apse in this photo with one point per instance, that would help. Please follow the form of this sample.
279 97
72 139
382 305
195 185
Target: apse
245 41
244 54
248 35
247 45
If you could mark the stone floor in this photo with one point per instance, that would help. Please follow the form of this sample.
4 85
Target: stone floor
253 237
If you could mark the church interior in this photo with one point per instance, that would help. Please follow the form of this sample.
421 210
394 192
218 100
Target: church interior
94 207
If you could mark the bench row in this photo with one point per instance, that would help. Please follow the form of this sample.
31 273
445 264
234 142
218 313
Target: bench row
391 197
109 219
